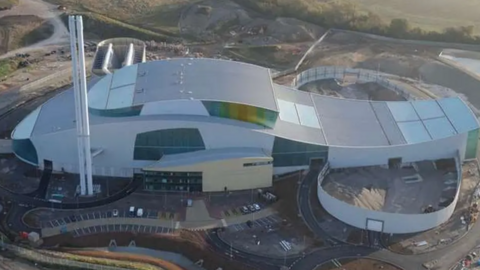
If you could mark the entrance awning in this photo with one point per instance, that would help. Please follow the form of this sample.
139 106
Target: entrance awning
205 156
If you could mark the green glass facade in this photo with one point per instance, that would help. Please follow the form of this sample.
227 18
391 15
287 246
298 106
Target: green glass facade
292 153
154 144
241 112
122 112
472 144
25 150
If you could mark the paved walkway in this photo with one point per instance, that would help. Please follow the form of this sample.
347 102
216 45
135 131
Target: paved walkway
190 225
5 146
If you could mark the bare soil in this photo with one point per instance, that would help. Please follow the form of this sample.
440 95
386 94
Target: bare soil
190 244
19 31
452 230
125 257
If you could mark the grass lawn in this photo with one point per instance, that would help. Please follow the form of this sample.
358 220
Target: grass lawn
7 66
427 14
161 16
8 3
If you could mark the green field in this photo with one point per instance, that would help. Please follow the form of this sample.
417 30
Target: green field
8 3
427 14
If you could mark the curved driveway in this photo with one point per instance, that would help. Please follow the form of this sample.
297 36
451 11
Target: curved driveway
445 257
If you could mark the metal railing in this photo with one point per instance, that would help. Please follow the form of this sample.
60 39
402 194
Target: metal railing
38 257
342 73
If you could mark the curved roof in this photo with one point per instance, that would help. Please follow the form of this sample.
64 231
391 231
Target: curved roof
184 78
361 123
302 116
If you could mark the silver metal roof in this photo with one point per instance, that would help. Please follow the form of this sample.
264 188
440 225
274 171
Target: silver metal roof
184 78
303 116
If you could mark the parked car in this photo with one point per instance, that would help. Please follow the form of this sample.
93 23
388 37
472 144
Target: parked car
132 211
140 212
73 218
244 210
257 207
115 213
251 208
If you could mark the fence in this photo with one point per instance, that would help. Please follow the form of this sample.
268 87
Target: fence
390 222
341 73
38 257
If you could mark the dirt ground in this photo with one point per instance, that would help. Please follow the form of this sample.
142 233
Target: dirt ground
20 31
11 261
418 64
361 91
124 257
381 189
356 264
448 232
191 244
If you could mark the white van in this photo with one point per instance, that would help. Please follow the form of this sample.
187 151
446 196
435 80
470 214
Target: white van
140 212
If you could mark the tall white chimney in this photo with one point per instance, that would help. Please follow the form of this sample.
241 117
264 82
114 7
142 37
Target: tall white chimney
75 24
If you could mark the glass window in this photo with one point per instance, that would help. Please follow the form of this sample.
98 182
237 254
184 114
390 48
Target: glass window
292 153
25 150
154 144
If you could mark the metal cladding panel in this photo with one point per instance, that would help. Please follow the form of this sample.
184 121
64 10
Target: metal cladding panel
241 112
307 115
297 132
288 111
428 109
414 132
292 95
402 111
175 107
459 114
25 128
349 122
389 126
98 94
205 79
121 97
125 76
439 128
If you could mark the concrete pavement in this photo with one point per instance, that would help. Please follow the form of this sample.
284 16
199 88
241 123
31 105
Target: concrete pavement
5 146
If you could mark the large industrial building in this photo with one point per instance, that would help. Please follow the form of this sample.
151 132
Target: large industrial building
215 125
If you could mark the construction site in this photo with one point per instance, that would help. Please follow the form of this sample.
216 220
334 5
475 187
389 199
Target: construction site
420 188
36 65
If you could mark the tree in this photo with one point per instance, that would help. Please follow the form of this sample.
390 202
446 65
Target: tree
399 28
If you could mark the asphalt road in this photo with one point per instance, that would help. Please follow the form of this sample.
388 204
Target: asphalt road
445 257
249 259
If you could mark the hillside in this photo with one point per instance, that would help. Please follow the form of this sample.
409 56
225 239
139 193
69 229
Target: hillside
20 31
427 14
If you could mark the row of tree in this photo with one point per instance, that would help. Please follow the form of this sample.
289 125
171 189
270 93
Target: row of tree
344 15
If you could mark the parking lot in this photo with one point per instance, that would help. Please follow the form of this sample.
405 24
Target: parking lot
237 211
121 228
153 214
258 223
